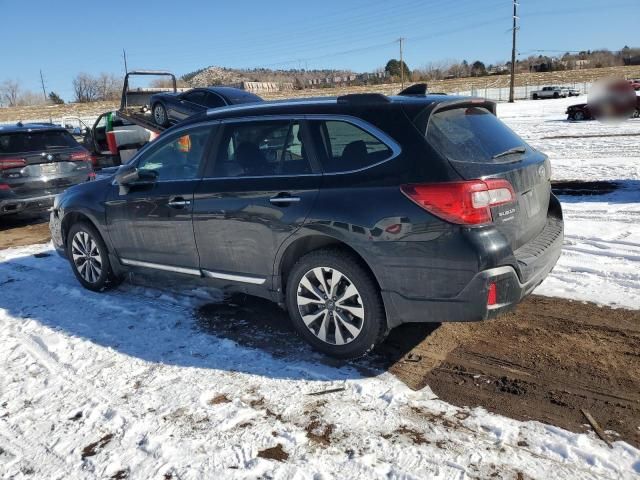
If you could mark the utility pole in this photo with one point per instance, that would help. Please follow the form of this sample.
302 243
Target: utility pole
512 83
44 91
124 56
401 64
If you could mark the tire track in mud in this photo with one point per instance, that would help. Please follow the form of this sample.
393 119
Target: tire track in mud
546 361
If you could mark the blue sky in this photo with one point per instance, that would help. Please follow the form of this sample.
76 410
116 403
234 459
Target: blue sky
66 37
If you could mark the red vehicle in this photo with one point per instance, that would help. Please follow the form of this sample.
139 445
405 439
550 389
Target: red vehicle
583 111
635 83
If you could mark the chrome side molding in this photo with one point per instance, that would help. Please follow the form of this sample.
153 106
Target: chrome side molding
196 272
159 266
234 277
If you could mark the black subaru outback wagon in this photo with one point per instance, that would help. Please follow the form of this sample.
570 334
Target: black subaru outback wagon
356 213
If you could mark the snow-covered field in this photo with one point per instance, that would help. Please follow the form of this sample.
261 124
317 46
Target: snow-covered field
126 383
601 258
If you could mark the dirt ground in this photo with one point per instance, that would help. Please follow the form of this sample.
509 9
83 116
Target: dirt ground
548 361
18 230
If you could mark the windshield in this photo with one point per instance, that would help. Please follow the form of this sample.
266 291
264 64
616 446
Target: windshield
20 142
473 134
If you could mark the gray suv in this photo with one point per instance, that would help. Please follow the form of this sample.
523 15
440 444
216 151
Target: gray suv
38 161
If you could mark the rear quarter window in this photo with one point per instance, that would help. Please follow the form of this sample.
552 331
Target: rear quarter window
471 134
349 147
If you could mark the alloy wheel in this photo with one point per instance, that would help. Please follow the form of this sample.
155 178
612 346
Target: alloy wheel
159 115
330 305
86 257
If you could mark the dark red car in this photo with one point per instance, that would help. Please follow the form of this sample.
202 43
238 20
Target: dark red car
582 111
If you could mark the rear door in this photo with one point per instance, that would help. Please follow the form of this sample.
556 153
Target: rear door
479 146
258 190
151 223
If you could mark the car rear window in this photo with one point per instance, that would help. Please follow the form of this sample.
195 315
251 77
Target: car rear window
349 147
21 142
471 134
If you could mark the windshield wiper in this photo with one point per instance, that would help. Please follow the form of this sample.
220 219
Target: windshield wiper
511 151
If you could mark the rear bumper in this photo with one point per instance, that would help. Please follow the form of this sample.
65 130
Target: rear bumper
27 204
534 262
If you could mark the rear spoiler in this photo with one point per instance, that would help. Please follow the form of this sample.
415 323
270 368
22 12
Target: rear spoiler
419 89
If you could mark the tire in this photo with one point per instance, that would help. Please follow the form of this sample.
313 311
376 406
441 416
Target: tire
578 116
636 114
160 116
535 96
86 247
351 327
570 117
556 95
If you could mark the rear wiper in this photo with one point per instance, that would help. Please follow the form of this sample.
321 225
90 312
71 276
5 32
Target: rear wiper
511 151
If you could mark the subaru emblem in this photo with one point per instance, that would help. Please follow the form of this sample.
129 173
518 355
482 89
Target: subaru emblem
541 171
50 157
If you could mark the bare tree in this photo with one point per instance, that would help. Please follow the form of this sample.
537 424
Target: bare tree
30 98
85 88
108 86
10 92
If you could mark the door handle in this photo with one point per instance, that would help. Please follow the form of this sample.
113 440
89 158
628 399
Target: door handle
283 199
178 202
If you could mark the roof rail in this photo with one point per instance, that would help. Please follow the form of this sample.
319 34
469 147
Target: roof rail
417 89
363 98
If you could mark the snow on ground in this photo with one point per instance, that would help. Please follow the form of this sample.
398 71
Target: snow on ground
78 367
127 382
601 255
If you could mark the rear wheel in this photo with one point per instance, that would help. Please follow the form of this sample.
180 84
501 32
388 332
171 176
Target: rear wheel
335 304
89 258
160 115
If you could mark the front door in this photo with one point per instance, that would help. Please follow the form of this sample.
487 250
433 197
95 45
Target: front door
259 190
152 222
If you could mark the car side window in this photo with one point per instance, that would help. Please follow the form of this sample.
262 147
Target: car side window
177 158
261 148
197 96
349 147
213 100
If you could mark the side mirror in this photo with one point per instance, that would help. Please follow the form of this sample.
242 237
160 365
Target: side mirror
126 175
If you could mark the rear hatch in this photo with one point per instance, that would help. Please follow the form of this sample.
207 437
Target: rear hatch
479 146
42 162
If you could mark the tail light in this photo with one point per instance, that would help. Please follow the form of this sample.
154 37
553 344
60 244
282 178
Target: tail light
464 203
12 162
4 186
83 156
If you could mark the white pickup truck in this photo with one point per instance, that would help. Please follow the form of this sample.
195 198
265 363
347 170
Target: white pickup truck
554 92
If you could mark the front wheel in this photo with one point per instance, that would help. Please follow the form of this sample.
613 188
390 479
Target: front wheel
89 258
335 304
535 96
578 116
160 115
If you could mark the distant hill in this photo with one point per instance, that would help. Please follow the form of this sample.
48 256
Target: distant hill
214 75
